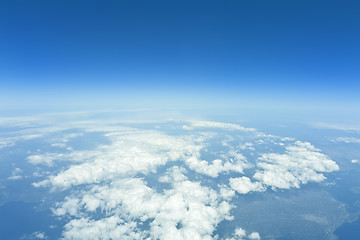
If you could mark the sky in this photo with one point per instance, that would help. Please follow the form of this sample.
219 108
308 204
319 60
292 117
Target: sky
73 55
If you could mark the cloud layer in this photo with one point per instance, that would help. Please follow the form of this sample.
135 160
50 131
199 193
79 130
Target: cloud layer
109 194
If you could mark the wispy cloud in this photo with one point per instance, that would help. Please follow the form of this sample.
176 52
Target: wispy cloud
209 124
346 140
341 127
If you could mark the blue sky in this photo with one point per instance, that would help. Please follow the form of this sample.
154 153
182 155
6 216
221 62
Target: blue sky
108 54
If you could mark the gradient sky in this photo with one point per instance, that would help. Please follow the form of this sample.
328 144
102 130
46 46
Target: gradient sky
236 53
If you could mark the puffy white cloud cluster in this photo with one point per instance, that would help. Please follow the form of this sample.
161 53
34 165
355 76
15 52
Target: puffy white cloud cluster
113 187
243 185
186 211
106 228
254 236
236 163
300 164
240 234
129 153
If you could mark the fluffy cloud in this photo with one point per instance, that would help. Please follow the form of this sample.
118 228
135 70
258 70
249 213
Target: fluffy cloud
240 234
109 197
236 164
254 235
106 228
244 185
187 210
300 164
129 154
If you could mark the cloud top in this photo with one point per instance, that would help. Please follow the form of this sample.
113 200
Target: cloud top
109 194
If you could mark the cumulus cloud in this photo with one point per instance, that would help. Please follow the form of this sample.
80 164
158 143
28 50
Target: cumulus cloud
109 197
254 235
106 228
130 153
240 234
216 166
243 185
187 210
300 164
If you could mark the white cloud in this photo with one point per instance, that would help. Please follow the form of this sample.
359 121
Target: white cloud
187 210
255 236
226 192
240 234
300 164
15 177
354 161
341 127
111 227
59 145
35 235
70 206
209 124
46 159
130 153
347 140
243 185
247 145
216 166
122 200
40 235
15 174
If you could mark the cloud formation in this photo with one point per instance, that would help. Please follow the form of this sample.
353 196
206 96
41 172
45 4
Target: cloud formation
243 185
301 163
187 210
109 194
240 234
210 124
346 140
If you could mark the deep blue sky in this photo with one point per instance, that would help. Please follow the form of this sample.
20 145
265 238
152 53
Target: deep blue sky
180 53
